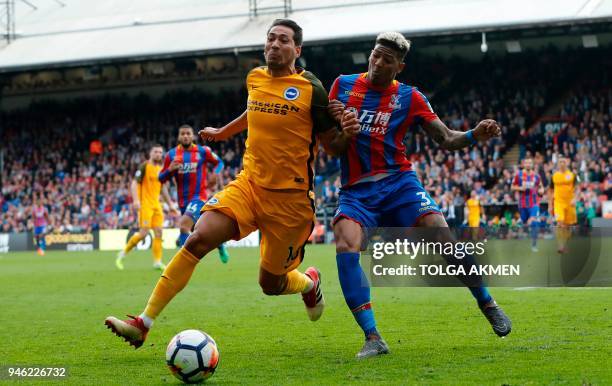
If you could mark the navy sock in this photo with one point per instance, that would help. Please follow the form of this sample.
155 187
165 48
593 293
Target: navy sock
356 290
479 291
481 294
534 233
182 238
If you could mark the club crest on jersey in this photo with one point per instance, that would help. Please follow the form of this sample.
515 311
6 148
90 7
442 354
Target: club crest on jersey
395 102
212 201
291 93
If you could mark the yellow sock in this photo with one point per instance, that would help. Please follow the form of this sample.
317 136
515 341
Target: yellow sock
297 282
173 280
563 235
567 233
135 239
157 249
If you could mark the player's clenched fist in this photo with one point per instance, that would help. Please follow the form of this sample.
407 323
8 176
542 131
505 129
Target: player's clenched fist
350 123
210 134
174 165
336 109
486 129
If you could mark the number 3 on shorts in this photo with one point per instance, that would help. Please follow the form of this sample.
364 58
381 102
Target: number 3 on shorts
426 201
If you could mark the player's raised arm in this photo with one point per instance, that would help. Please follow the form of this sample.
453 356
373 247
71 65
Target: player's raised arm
450 139
454 140
221 134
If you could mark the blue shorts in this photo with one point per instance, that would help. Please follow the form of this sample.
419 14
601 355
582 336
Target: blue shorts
40 230
193 209
527 213
398 200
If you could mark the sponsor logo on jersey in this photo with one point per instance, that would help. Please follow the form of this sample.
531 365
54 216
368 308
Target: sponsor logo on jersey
271 108
376 122
354 94
189 167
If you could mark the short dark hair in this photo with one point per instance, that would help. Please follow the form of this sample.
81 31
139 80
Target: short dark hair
156 145
185 126
297 30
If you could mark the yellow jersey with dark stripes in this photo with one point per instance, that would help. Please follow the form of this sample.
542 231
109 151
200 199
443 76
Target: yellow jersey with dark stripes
284 115
149 187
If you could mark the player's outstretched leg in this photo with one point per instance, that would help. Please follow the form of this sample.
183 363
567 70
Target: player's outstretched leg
500 322
294 282
356 288
207 236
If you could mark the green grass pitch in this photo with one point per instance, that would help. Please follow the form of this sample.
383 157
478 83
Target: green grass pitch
53 309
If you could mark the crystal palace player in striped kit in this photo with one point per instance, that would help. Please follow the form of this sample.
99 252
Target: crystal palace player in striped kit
41 219
380 189
529 185
187 164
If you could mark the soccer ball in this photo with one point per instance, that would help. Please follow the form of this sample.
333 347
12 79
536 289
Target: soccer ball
192 356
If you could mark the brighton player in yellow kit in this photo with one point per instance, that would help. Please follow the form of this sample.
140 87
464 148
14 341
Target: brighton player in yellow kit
563 198
473 213
286 114
146 190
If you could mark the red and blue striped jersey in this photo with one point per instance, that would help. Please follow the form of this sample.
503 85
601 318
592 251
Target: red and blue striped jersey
528 198
385 116
190 177
40 216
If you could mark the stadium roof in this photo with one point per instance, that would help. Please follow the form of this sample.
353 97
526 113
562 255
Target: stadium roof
83 31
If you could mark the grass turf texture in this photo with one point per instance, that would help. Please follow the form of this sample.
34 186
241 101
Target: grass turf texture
53 309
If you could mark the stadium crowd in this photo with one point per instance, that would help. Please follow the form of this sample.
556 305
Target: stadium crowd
79 156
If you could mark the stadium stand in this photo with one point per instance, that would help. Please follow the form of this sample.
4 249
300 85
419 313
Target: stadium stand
86 150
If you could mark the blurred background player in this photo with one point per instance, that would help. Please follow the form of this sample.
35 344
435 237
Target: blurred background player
146 191
529 185
562 195
187 163
41 219
379 186
473 214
